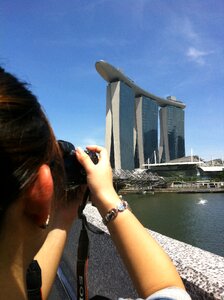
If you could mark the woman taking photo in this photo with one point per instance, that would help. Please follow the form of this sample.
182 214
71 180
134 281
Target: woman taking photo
36 213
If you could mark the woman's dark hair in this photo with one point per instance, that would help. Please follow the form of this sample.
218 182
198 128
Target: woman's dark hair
26 141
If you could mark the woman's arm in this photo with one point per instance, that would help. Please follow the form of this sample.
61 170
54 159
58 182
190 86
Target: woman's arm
148 265
49 257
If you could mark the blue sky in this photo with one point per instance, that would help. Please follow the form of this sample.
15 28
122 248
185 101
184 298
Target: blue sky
168 47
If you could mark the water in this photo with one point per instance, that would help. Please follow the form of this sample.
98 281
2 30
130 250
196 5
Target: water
197 219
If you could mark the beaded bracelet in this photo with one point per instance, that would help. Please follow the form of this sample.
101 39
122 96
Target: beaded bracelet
112 214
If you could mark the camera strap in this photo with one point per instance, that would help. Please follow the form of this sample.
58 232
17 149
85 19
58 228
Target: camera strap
83 252
33 281
82 264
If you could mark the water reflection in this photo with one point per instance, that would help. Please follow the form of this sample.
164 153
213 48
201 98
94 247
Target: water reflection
202 201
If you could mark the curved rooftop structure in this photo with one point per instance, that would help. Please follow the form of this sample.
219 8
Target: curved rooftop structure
111 74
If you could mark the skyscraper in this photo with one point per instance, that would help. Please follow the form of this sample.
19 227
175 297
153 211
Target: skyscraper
132 116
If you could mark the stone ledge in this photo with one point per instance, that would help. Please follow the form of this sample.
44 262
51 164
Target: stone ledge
201 271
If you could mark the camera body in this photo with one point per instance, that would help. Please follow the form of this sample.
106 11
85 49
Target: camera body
74 171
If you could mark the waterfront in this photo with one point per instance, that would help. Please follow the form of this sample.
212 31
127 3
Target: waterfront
197 219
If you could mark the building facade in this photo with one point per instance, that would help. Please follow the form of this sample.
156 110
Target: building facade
120 124
172 144
146 113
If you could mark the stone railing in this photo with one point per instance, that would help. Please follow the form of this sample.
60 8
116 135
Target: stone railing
201 271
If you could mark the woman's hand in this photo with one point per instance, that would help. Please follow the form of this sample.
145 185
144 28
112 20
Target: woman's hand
99 176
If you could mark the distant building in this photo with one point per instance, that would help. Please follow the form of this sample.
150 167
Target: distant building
132 117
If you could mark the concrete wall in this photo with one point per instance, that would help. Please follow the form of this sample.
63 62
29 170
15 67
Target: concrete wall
202 271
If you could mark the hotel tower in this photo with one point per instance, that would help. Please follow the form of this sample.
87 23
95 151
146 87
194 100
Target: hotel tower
132 118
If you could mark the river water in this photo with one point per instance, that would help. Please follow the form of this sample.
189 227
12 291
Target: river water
197 219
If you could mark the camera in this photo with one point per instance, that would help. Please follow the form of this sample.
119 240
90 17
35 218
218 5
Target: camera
74 171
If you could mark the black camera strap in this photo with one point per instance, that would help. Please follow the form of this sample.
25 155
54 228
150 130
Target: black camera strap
83 252
34 281
82 264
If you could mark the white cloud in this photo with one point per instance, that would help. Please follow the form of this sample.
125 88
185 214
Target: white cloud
197 55
193 39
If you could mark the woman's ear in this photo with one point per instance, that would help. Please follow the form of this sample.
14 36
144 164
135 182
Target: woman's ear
40 195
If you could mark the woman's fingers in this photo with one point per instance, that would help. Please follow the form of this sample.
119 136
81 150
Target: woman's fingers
100 150
84 159
99 176
95 148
